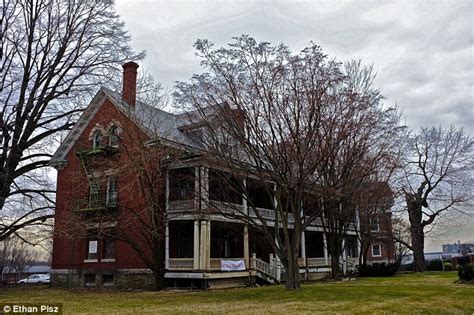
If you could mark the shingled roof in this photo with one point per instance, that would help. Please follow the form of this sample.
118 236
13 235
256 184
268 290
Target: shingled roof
157 123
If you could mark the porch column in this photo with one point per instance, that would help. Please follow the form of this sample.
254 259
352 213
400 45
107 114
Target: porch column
167 245
208 245
246 230
325 242
202 245
167 192
246 246
196 245
303 247
344 256
204 187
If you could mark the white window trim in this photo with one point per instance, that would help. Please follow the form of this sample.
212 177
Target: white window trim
380 250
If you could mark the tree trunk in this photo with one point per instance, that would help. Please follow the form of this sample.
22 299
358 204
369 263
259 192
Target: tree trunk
415 216
158 275
293 274
335 270
418 244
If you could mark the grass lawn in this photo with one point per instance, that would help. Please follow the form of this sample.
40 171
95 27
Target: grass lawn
432 292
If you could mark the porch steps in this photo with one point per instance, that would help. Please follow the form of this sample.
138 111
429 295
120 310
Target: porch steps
226 283
265 277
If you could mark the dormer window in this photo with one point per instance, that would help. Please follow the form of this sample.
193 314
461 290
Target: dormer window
113 137
96 139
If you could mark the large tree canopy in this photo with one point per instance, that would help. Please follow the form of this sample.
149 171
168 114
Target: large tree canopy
54 54
309 127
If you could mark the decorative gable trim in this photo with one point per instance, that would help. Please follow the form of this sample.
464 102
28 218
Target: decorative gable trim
59 158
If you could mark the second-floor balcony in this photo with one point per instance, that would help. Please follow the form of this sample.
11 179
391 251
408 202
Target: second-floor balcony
227 209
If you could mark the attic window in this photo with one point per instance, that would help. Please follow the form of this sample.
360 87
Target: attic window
113 137
96 139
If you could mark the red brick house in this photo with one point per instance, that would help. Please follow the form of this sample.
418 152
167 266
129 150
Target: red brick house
200 248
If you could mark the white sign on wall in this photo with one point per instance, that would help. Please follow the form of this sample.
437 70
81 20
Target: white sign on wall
92 247
232 265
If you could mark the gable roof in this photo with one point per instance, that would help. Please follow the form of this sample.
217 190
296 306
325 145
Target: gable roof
157 123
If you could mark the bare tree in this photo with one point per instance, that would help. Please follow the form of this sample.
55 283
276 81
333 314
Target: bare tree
54 54
402 238
16 255
144 166
437 181
301 126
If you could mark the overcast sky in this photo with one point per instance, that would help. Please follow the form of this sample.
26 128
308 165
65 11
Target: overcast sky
423 51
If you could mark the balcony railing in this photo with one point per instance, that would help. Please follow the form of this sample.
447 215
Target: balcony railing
180 206
226 208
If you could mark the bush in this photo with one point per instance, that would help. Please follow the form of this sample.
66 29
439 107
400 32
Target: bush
405 267
435 265
377 270
466 272
448 266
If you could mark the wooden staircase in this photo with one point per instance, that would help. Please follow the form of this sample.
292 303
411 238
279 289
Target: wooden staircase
272 272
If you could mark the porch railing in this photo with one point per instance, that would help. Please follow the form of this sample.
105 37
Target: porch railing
318 261
180 263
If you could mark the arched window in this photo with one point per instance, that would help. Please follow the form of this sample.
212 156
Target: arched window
113 137
96 139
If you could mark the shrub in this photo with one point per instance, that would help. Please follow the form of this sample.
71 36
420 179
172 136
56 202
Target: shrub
377 270
448 266
435 265
466 272
405 267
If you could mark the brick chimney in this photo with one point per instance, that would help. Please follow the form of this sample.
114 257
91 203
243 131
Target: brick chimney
129 88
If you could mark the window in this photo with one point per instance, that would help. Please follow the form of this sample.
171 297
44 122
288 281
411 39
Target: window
374 225
113 137
89 280
314 244
109 249
91 250
352 246
224 187
261 195
94 193
107 279
96 139
376 250
181 182
112 193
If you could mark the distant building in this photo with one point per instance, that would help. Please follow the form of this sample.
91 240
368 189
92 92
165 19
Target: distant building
458 248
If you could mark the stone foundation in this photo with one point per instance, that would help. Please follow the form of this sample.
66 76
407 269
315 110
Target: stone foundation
135 279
